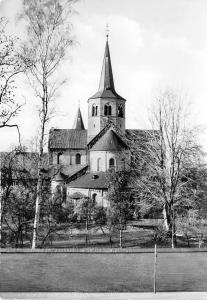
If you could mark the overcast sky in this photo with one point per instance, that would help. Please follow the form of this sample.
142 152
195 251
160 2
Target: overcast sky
154 44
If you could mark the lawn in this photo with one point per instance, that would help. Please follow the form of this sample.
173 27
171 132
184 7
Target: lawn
102 272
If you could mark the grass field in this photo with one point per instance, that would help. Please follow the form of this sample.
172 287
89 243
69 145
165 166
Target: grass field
102 272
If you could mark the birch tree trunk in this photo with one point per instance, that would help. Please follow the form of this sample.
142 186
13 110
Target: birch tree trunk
49 36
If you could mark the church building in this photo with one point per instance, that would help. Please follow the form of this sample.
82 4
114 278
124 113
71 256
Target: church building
83 156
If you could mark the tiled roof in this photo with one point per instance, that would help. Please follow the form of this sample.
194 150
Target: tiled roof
107 94
110 141
91 181
72 169
67 139
66 171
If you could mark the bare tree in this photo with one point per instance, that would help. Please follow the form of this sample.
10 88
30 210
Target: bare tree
49 37
11 65
170 150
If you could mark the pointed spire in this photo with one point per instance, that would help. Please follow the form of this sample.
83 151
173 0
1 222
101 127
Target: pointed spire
106 84
78 123
106 81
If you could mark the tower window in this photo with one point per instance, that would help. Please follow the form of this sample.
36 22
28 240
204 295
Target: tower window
107 110
120 111
94 110
78 159
111 163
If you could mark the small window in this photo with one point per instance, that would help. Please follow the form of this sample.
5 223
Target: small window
109 110
111 163
99 164
105 110
120 112
94 196
78 159
58 158
94 110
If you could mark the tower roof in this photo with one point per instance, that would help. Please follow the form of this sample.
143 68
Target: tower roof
106 84
78 123
106 80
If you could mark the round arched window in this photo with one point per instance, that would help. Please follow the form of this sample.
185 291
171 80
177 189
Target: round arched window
94 110
94 196
107 110
99 164
111 163
120 111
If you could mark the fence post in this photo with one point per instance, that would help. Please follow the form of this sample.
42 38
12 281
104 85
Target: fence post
155 268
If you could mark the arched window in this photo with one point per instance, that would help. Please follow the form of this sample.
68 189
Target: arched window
78 159
58 158
94 110
105 110
109 110
99 164
120 112
111 163
94 196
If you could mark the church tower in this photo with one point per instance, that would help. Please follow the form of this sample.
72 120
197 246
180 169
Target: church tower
78 123
106 105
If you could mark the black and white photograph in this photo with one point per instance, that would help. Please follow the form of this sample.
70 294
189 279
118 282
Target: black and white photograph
103 149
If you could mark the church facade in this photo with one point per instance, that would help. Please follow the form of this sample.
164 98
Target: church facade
84 156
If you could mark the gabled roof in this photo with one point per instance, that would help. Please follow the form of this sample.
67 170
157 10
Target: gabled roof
67 139
78 123
106 85
91 181
110 141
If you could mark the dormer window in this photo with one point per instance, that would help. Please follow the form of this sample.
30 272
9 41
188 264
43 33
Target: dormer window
94 110
107 110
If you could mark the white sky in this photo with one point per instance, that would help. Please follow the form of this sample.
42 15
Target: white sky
154 44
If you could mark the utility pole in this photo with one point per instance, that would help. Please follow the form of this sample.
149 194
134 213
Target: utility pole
155 269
